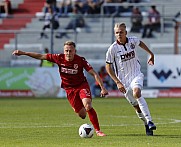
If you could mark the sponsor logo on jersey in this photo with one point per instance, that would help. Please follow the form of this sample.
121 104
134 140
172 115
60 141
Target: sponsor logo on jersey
127 56
69 71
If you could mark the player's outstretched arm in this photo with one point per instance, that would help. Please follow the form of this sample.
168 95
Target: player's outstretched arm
30 54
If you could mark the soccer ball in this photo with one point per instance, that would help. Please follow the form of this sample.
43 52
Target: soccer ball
86 131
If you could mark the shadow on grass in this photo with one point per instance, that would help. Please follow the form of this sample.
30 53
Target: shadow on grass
168 136
139 135
127 135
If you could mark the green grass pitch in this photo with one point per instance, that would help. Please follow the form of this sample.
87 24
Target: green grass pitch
50 122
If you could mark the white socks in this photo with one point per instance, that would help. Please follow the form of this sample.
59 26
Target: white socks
144 108
141 116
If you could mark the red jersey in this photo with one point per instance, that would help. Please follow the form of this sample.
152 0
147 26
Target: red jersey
71 72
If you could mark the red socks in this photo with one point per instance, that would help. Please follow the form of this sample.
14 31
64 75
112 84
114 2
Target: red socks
93 118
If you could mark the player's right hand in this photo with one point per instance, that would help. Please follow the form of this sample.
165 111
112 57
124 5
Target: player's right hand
17 52
121 87
104 92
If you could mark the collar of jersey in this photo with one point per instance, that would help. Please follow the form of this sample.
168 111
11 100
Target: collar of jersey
122 43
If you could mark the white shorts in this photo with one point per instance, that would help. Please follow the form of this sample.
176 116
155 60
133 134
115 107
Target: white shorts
136 83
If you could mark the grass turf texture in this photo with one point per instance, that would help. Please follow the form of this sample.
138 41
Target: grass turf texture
52 123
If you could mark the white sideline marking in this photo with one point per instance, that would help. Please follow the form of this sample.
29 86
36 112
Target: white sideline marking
36 125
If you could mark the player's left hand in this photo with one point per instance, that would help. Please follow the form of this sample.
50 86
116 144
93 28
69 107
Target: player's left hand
151 60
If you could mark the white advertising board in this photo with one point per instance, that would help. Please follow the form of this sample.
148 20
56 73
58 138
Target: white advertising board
166 72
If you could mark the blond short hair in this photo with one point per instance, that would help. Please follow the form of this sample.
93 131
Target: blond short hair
118 25
70 43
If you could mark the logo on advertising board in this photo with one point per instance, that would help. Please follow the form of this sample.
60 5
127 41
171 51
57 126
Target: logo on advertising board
162 75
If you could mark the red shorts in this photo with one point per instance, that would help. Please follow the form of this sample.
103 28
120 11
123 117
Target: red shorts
75 96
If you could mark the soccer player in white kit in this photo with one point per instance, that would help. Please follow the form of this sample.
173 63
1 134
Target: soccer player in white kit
126 72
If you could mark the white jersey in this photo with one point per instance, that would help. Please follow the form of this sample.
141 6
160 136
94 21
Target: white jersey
125 60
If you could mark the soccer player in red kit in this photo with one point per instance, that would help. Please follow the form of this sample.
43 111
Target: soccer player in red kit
74 82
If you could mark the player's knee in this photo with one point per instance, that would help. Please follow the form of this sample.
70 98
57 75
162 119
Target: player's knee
88 107
137 93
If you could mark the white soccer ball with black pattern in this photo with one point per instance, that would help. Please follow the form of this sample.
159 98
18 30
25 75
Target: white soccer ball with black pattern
86 131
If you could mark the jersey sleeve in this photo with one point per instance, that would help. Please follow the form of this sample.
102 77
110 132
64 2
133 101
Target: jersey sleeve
110 55
86 65
53 57
136 40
